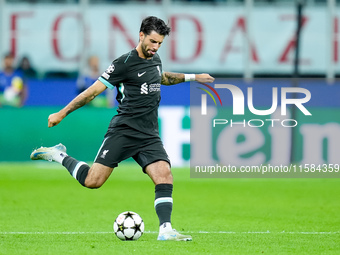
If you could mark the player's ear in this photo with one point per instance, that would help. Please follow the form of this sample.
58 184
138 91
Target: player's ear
141 36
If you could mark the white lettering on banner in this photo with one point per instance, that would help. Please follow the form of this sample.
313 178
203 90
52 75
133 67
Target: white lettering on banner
230 151
201 149
215 37
280 142
314 136
246 145
320 142
173 135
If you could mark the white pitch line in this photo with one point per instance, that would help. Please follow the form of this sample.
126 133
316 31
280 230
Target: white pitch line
155 232
267 232
52 233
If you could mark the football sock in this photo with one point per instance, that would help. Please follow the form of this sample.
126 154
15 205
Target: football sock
165 227
163 203
59 156
78 169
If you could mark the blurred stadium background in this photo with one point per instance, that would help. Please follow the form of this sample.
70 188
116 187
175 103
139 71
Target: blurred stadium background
247 43
243 40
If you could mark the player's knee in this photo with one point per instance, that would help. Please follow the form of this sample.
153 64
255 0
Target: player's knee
166 175
169 177
93 183
93 186
166 171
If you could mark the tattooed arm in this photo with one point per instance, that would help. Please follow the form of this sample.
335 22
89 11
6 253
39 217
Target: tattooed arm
174 78
79 101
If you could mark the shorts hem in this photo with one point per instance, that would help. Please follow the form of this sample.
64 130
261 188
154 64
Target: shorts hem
114 165
156 160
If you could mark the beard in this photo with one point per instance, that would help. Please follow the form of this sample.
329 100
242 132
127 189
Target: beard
145 51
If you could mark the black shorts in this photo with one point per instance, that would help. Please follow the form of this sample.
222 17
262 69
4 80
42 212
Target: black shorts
124 142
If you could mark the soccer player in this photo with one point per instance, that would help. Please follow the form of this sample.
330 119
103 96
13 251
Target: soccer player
133 132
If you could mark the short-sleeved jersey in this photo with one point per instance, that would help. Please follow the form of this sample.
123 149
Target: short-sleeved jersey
6 79
138 83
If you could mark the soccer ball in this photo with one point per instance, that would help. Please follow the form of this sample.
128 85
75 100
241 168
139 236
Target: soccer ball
128 226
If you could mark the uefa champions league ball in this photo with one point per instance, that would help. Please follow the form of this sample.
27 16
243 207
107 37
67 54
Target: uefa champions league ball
128 226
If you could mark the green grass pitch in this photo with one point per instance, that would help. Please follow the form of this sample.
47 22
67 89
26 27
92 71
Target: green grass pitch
43 210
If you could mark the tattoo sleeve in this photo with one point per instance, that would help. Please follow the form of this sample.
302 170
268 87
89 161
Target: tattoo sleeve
172 78
81 100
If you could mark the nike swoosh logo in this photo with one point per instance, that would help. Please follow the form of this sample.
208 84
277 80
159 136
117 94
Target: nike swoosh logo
141 74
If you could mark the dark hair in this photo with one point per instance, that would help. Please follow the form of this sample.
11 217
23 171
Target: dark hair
152 23
9 55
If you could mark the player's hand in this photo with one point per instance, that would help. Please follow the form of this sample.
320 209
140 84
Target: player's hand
54 119
204 77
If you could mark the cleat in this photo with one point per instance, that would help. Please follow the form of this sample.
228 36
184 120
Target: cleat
47 153
173 235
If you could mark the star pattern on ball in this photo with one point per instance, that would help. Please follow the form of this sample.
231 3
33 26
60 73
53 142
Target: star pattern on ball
137 228
121 227
128 214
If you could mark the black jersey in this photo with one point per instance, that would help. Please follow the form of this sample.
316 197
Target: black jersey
138 84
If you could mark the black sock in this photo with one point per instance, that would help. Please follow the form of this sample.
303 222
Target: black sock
77 169
163 202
